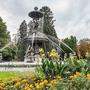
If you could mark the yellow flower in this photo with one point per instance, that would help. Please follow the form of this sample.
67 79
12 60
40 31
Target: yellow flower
78 74
41 85
24 81
31 86
41 50
45 82
75 76
27 88
17 84
2 84
58 77
54 54
16 79
88 76
38 87
53 82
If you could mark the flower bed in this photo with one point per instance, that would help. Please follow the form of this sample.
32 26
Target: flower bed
72 74
32 82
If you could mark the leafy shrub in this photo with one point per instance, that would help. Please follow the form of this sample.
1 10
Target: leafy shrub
9 53
78 83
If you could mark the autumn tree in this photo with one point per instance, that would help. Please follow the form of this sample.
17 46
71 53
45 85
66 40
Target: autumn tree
84 47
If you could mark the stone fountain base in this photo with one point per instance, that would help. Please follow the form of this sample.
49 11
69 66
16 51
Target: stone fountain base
33 59
18 66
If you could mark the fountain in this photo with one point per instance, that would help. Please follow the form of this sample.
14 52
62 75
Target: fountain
37 39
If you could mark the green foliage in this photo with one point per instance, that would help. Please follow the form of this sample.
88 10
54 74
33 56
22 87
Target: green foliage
39 73
21 41
71 42
48 26
80 65
21 51
79 83
51 69
4 34
9 53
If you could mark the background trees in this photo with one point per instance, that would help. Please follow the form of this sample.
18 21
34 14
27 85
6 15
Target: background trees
84 48
71 42
9 53
48 25
21 45
4 34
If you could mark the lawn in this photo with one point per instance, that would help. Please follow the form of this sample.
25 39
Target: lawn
8 74
4 75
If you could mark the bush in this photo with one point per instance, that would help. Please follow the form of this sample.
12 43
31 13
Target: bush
9 53
78 83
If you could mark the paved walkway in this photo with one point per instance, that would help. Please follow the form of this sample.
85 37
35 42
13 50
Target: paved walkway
21 69
18 66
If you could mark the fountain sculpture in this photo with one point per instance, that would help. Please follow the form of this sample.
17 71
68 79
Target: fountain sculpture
35 38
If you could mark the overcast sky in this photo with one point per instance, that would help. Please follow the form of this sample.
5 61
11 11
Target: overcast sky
72 16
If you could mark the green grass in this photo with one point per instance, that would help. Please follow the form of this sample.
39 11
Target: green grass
4 75
8 74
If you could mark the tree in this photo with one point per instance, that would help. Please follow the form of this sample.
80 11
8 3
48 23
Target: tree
21 41
84 47
9 53
4 34
71 42
48 25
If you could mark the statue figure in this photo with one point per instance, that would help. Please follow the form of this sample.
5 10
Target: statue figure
34 26
30 54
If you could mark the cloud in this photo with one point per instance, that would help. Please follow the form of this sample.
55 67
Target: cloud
72 16
61 6
76 21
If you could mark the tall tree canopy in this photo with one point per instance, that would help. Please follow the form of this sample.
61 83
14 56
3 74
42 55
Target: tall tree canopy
48 25
4 34
21 42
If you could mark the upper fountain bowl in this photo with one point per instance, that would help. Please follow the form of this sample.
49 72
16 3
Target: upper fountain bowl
35 14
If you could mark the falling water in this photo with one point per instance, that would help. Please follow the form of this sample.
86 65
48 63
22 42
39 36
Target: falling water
33 37
60 42
53 43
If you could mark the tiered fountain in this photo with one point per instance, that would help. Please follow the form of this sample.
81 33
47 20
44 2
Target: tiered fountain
36 39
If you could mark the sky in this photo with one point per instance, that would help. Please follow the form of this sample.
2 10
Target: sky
72 16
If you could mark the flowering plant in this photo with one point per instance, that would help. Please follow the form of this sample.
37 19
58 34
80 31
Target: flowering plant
54 55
